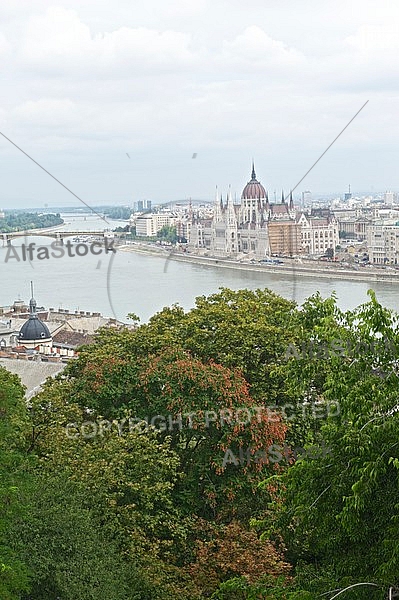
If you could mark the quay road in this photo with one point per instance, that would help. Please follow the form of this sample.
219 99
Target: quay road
57 234
304 268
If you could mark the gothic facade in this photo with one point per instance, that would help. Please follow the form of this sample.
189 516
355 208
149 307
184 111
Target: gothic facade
255 226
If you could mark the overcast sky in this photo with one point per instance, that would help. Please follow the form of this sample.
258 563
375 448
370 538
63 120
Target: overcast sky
84 82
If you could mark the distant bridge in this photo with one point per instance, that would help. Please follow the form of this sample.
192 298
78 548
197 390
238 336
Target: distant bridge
57 235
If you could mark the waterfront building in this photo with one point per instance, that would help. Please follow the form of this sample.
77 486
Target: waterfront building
255 226
318 233
150 224
383 243
144 226
183 226
284 238
354 227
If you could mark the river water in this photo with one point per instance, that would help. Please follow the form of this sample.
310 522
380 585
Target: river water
116 284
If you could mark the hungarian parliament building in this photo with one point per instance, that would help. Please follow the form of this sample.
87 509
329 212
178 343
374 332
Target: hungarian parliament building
261 228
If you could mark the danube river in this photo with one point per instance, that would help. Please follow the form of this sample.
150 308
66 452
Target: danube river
116 284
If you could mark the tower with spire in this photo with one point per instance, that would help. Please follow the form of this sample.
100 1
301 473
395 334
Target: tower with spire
253 177
245 228
252 199
231 227
217 241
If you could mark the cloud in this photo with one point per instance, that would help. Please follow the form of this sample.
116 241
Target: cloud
91 79
5 48
46 112
255 47
366 62
60 42
370 40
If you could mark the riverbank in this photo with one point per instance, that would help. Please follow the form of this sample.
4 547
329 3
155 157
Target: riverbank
324 270
22 223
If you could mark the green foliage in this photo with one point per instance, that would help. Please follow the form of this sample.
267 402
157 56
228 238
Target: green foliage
248 330
128 482
126 229
118 212
14 573
168 234
266 588
148 374
84 519
137 513
341 512
177 364
69 554
26 221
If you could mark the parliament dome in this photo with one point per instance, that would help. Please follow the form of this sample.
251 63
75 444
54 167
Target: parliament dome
253 190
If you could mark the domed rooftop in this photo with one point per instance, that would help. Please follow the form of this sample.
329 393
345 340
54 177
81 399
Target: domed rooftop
253 190
34 330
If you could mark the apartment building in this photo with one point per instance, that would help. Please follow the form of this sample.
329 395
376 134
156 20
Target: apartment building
383 243
150 224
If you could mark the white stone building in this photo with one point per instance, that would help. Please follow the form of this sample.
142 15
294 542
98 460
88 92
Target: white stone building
244 228
318 234
383 243
150 224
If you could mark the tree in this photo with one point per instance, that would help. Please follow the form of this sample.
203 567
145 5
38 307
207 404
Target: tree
168 234
25 221
119 212
231 553
14 573
240 337
244 329
339 515
204 408
67 550
128 478
71 528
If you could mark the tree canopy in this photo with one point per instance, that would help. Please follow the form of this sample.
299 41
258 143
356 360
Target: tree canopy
26 221
247 448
